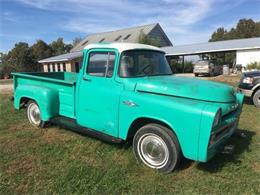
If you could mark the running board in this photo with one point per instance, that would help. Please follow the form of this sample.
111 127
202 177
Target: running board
71 124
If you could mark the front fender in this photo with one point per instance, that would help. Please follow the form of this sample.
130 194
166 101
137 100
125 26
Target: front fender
181 114
46 98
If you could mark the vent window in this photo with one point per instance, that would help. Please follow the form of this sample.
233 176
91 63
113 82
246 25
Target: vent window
101 40
85 42
127 36
118 38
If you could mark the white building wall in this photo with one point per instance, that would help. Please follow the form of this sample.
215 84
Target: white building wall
45 68
245 57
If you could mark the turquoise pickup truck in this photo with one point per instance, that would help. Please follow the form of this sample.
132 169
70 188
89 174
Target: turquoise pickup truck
127 92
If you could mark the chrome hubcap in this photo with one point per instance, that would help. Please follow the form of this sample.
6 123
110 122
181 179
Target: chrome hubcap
34 114
153 150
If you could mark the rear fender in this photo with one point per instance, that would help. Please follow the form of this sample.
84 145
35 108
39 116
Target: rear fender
46 98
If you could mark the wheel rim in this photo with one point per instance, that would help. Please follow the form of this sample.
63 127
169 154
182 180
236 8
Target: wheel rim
34 114
153 151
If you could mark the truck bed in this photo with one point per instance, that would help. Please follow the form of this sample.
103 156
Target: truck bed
60 77
61 82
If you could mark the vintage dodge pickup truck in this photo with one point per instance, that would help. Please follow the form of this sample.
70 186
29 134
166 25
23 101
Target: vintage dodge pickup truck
126 91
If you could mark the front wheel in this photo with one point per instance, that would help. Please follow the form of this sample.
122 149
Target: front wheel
256 98
157 147
34 114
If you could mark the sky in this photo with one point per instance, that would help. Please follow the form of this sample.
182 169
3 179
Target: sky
184 21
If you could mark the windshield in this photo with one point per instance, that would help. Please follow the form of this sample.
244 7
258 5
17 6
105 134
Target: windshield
139 63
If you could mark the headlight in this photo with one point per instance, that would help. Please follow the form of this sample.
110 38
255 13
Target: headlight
217 118
248 80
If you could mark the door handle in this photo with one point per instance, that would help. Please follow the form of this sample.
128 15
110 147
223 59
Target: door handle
86 79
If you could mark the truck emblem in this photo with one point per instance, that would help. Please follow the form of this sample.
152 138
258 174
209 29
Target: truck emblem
130 103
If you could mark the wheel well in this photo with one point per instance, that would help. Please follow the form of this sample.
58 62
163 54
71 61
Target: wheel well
24 101
258 88
138 123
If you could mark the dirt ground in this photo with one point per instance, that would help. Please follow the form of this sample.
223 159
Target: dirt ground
6 88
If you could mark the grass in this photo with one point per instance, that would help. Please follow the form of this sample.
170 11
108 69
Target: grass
54 160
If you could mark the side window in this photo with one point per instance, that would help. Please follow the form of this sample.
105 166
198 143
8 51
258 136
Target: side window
101 64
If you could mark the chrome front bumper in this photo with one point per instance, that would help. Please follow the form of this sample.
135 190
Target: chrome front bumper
246 92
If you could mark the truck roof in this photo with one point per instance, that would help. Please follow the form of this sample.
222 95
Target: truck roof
122 46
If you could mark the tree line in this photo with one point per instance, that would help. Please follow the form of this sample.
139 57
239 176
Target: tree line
245 28
24 58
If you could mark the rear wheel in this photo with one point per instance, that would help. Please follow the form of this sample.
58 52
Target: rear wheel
196 74
256 98
157 147
34 114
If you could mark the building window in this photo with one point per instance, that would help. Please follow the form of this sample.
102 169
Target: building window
58 67
127 36
101 64
118 38
101 40
64 67
48 68
85 42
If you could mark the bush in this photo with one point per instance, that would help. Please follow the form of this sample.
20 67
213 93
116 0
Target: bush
254 65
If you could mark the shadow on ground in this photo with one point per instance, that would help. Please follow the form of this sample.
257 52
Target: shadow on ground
241 141
248 101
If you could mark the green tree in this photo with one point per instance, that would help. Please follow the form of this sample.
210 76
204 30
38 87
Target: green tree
76 41
41 50
2 61
218 35
17 60
20 58
245 28
59 47
145 39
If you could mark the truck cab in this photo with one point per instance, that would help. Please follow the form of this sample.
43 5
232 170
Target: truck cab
127 92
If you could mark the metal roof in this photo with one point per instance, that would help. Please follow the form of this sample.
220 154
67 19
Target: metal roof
63 57
210 47
129 35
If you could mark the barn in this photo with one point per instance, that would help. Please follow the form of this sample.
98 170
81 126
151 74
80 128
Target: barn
71 62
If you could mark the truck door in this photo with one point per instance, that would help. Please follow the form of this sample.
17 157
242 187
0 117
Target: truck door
99 93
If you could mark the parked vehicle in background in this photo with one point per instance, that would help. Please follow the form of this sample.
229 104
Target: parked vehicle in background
127 91
207 67
250 86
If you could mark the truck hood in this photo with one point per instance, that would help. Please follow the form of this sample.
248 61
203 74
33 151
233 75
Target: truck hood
187 88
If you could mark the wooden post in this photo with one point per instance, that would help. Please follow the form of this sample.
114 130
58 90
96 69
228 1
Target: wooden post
183 64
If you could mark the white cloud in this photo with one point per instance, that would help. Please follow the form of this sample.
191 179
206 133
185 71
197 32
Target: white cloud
177 17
